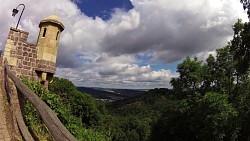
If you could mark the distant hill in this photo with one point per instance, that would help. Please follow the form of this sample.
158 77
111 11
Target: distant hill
148 104
110 94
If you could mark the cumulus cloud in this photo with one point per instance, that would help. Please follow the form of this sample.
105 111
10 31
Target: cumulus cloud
118 76
94 52
173 29
116 72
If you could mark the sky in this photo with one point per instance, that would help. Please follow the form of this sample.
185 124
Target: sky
135 44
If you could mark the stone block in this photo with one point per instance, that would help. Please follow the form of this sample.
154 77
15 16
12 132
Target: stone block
27 67
10 42
19 52
32 60
20 57
34 56
12 52
26 58
26 63
46 57
20 48
34 51
16 39
7 49
25 54
18 70
47 50
44 76
20 65
53 58
25 36
53 42
12 55
12 61
24 72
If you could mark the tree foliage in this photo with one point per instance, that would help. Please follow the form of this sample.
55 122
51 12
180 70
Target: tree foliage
246 5
214 95
240 49
63 111
189 79
208 117
82 105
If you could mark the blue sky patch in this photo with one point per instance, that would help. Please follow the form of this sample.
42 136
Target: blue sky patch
103 8
160 65
145 60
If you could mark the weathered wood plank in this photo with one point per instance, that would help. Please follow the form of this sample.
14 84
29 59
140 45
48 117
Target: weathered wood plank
17 111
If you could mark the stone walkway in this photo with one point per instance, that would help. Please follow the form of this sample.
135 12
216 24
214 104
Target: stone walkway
4 134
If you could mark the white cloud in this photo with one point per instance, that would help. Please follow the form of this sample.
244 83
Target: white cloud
122 22
93 52
118 76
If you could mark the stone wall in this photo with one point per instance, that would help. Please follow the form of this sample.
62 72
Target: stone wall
22 56
26 60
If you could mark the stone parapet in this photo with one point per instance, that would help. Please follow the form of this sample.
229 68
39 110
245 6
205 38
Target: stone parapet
20 54
45 66
18 35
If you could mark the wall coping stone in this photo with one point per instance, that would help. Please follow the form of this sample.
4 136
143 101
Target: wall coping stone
18 30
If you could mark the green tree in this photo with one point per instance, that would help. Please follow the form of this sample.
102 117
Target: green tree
246 5
209 74
224 70
208 117
190 76
243 107
240 49
130 128
81 104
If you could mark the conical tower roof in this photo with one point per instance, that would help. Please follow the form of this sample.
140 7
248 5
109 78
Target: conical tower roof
52 19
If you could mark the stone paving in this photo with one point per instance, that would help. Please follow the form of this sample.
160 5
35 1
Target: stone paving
4 134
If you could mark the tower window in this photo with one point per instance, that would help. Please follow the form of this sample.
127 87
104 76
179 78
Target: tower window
57 35
44 32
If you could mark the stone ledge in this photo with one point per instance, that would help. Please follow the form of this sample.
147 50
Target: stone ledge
45 66
18 30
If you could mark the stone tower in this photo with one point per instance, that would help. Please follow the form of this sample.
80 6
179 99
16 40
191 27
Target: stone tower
35 61
47 46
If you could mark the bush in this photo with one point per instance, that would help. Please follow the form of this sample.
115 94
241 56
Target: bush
71 122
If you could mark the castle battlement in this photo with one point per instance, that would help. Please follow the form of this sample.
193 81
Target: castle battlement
34 61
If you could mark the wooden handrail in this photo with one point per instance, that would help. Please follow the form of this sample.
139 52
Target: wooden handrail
12 93
54 125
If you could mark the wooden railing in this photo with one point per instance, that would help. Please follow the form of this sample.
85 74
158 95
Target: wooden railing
53 124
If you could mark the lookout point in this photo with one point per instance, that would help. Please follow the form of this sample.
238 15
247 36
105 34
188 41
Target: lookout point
35 61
